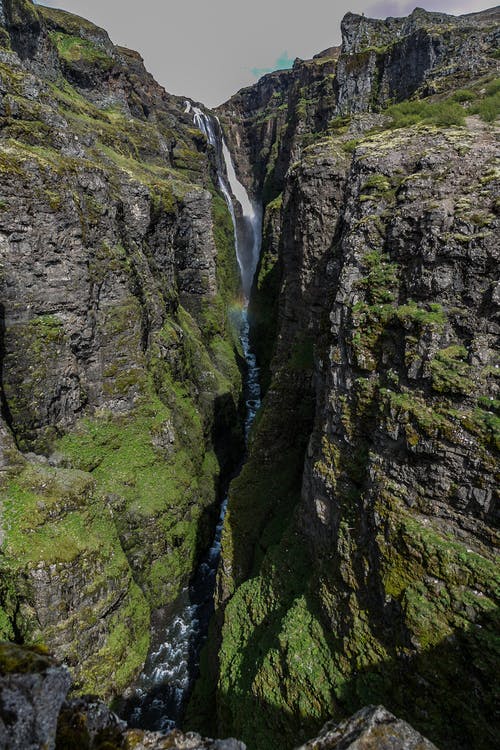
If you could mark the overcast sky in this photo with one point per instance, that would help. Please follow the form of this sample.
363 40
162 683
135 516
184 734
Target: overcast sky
208 49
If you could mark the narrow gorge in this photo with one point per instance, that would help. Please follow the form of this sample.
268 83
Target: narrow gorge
249 409
158 700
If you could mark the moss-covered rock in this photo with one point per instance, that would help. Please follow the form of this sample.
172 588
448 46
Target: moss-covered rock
120 376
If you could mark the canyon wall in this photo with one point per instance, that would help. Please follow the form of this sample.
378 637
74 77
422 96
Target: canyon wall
358 558
119 376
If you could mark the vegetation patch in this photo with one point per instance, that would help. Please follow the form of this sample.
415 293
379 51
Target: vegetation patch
75 49
450 371
441 113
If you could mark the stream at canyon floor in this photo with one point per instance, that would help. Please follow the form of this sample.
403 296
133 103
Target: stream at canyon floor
158 698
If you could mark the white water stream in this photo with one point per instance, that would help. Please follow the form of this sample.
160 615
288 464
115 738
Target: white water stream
159 696
245 213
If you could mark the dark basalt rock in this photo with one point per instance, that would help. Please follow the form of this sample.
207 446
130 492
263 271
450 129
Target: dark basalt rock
110 269
357 562
32 690
369 575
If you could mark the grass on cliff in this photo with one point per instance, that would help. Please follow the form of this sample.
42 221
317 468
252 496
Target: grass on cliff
441 114
153 463
74 48
54 517
296 652
483 101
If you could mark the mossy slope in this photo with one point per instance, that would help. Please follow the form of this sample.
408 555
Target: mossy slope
119 364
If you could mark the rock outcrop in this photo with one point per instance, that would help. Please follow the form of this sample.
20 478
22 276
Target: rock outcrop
119 378
370 728
358 557
32 691
35 713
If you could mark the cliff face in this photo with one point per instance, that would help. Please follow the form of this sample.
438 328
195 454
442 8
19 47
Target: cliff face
119 384
358 562
358 555
378 64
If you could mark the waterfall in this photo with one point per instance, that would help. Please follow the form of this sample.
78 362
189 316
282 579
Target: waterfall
246 214
158 698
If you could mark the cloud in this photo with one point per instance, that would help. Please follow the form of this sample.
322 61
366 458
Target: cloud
283 62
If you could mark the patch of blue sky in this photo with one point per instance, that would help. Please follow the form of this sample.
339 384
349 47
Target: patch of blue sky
283 62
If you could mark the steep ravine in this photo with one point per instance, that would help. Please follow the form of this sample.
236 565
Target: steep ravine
120 372
357 549
158 699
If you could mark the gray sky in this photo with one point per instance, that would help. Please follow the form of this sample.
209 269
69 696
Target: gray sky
208 49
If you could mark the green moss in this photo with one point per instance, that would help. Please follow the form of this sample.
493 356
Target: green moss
75 49
379 187
450 371
24 13
228 280
381 275
302 355
301 108
155 460
125 649
375 320
6 629
68 22
17 153
430 420
293 683
483 422
29 364
350 146
121 454
22 660
55 517
262 499
30 499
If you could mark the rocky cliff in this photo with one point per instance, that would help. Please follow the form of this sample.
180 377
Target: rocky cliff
358 554
358 558
119 375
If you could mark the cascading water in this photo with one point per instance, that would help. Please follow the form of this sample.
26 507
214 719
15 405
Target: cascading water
158 698
245 213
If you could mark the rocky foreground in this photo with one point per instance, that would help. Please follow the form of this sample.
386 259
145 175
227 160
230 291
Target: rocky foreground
35 713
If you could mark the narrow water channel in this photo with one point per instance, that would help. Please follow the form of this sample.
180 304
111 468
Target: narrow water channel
158 698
